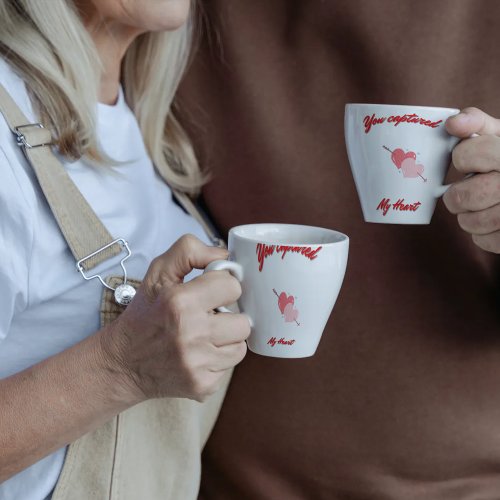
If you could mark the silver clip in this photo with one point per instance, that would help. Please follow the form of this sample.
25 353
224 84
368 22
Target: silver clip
124 293
21 138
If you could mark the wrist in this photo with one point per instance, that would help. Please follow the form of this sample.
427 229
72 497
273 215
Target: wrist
117 376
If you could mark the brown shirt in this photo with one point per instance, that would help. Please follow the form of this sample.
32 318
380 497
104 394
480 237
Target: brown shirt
402 399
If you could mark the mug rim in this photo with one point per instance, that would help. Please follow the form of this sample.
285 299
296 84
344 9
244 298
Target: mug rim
436 108
343 238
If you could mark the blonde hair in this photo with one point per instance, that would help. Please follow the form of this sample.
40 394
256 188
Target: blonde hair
47 44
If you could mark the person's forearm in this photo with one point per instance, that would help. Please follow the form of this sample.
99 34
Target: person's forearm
55 402
166 343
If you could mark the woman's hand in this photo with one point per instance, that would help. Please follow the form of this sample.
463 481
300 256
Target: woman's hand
168 342
476 200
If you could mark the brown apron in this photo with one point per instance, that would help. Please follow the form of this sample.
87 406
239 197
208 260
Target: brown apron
153 449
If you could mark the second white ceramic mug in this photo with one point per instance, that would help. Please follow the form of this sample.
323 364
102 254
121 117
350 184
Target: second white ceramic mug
291 276
399 157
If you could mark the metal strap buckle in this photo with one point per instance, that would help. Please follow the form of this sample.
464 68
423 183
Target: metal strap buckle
21 138
124 293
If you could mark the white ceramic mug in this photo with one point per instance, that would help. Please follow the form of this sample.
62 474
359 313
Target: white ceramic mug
290 276
399 157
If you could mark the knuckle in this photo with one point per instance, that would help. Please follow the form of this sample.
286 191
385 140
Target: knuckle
238 353
483 190
188 243
477 153
488 187
228 282
155 263
486 147
177 302
483 183
156 277
242 351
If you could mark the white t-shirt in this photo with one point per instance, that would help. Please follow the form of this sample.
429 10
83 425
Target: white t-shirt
45 304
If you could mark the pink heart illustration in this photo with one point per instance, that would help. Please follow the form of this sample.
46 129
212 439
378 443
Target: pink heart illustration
284 300
398 156
410 168
291 314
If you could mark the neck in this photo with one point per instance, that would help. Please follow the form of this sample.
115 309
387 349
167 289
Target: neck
112 41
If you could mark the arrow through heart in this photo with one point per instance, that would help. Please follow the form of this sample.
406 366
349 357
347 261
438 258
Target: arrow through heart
407 163
287 308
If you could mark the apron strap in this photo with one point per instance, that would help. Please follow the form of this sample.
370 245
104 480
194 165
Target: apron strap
83 231
86 236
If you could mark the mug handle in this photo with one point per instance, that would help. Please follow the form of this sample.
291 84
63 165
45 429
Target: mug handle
442 189
226 265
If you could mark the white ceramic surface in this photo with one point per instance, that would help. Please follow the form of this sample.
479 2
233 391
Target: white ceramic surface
399 157
291 276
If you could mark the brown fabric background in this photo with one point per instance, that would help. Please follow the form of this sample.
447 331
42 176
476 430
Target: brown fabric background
402 399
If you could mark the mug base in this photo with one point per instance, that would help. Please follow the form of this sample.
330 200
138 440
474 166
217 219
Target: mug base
282 354
399 222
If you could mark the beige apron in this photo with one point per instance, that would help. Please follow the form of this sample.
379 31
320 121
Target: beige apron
152 450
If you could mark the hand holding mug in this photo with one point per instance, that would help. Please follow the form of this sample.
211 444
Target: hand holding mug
168 342
399 156
476 200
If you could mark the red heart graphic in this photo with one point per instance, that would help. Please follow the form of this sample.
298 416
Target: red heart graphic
410 168
283 300
398 156
291 314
